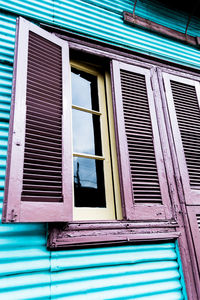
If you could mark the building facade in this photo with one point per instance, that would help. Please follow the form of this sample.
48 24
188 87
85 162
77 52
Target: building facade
104 107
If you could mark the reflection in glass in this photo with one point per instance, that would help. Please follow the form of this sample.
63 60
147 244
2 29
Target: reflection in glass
86 133
88 183
84 90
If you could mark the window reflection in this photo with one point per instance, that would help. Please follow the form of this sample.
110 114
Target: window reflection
84 90
88 183
86 133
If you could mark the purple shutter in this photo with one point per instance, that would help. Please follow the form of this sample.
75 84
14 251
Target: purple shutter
145 190
183 98
39 172
183 101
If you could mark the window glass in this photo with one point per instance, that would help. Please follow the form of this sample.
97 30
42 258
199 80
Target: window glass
86 133
88 182
84 87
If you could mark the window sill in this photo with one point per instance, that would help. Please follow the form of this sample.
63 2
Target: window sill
80 234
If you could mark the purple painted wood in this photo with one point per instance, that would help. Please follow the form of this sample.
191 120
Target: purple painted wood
110 232
36 209
146 209
191 273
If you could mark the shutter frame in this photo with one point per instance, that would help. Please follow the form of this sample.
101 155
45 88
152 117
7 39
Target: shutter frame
14 209
132 210
192 196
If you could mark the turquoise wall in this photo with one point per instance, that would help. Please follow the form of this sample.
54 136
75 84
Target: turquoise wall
103 21
28 270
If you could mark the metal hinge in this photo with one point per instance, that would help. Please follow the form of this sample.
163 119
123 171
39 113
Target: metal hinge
13 216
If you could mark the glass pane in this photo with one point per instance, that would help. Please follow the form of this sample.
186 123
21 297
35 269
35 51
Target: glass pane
86 133
88 183
84 90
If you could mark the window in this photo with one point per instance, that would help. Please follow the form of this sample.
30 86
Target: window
88 145
106 149
93 186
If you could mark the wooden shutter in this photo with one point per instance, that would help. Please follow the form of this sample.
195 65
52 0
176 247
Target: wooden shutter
183 98
143 177
39 169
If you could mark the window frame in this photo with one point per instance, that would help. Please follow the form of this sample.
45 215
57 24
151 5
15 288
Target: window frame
113 209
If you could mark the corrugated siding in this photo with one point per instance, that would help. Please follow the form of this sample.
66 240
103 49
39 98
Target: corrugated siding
125 272
99 21
24 260
28 270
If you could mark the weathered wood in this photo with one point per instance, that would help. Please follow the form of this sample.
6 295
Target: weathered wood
28 91
186 249
160 29
82 233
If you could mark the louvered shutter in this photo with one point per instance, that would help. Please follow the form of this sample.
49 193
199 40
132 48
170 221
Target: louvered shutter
183 98
144 182
39 170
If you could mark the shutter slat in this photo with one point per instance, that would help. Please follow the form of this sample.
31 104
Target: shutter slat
42 84
144 174
41 98
29 182
43 68
41 199
44 74
43 54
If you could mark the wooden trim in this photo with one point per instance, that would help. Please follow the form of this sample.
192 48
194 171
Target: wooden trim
110 232
112 136
75 154
67 159
134 20
13 214
94 112
16 149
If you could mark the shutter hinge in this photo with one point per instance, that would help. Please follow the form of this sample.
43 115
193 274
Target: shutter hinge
13 216
163 85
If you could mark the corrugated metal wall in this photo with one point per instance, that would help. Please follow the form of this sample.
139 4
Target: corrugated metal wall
98 20
128 272
28 270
